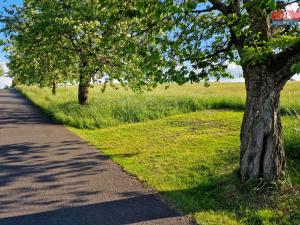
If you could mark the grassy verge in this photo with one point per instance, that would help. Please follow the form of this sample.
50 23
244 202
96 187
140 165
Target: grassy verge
192 160
115 107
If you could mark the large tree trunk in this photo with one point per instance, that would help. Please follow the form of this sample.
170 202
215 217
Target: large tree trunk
83 92
54 88
262 152
84 83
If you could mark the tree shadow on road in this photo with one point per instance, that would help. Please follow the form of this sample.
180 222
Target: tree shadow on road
28 171
119 212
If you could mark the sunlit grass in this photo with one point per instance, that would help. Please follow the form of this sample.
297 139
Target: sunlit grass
192 160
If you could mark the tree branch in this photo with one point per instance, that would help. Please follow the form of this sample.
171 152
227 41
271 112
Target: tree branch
213 54
237 7
203 10
282 63
223 8
289 3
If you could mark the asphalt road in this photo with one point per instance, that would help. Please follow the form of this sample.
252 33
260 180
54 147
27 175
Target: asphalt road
49 176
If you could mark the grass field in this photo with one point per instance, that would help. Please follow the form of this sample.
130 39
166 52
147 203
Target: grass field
192 157
116 107
192 160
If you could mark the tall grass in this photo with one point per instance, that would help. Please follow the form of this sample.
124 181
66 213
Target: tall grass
122 106
292 136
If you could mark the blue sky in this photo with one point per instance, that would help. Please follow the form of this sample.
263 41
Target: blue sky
5 3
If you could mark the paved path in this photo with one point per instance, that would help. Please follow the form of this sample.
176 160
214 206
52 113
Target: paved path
49 176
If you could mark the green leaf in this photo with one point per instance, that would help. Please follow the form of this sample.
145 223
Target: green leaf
296 68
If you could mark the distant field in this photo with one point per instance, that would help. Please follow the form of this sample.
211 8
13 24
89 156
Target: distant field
192 160
116 107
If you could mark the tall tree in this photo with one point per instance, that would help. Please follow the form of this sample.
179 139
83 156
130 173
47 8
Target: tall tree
94 34
200 37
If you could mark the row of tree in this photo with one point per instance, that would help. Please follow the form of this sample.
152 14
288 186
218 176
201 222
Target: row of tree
144 42
57 41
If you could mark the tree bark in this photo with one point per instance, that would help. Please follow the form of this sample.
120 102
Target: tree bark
54 88
262 151
84 83
83 90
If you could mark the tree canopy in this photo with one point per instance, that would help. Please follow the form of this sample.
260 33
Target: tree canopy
191 40
92 38
199 38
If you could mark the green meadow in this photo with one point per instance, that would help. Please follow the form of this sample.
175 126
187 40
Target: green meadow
183 142
115 107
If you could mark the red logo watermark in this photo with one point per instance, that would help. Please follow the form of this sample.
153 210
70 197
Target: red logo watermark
285 17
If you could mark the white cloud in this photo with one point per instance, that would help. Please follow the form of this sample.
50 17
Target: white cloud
236 71
296 77
5 81
293 6
3 64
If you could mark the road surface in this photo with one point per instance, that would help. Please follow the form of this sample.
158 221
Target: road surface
49 176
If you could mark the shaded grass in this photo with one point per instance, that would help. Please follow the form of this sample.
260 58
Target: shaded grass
192 160
115 107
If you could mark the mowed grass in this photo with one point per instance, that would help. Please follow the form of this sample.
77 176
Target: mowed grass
192 160
115 107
